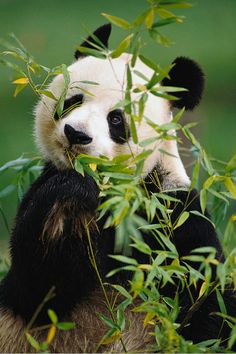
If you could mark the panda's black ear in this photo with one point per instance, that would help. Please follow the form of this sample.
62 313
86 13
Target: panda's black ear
101 34
188 74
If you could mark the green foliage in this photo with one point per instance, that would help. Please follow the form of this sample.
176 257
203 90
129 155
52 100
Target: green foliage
123 195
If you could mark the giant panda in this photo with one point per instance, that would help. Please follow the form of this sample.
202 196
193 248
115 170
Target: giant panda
48 244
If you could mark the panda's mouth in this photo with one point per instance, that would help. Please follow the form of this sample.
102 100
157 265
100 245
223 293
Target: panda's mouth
75 150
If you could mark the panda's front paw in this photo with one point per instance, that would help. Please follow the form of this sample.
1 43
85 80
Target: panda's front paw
83 189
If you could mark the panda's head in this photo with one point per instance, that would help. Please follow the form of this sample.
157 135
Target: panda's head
93 124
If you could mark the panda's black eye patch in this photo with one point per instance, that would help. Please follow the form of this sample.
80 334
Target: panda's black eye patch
118 128
70 104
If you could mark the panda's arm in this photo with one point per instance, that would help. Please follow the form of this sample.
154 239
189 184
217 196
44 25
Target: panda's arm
49 244
198 230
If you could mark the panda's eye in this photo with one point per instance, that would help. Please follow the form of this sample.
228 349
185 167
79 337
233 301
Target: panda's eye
118 127
115 117
69 104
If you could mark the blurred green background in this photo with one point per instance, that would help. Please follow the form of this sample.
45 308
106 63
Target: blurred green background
51 29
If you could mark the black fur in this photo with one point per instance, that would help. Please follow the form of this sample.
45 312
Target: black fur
102 34
40 263
62 261
119 132
186 73
74 101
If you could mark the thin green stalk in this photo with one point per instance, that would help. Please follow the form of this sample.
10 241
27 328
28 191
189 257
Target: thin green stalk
94 264
48 296
196 306
5 220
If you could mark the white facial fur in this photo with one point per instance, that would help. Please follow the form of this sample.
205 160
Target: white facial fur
91 117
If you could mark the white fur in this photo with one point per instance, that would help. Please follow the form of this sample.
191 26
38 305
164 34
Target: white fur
91 117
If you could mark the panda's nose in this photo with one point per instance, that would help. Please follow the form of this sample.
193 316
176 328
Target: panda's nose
76 136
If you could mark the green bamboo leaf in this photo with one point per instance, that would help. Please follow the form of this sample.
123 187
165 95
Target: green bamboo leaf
65 326
124 259
120 318
93 52
140 74
208 163
195 174
205 249
149 63
179 114
164 152
65 74
141 105
137 282
32 342
221 302
231 165
160 38
203 200
210 180
232 338
53 317
19 88
121 104
135 53
108 321
171 89
89 82
175 5
221 273
168 21
183 217
196 212
229 184
147 142
154 80
7 190
133 130
124 44
120 22
149 18
122 290
163 95
48 94
218 195
140 19
141 246
129 77
163 13
79 167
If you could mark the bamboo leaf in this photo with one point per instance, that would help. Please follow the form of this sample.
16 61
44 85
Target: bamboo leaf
231 165
124 259
133 130
124 44
53 317
229 184
183 217
19 88
203 289
48 94
203 200
32 342
65 326
51 334
21 81
149 18
120 22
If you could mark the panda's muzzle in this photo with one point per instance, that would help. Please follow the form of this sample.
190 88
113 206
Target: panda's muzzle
75 136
